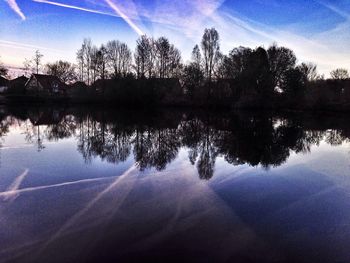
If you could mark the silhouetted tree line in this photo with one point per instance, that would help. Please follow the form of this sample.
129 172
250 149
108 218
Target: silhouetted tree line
243 78
153 58
155 139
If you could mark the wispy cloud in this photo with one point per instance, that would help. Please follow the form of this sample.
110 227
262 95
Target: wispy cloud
14 6
333 8
327 49
17 45
183 23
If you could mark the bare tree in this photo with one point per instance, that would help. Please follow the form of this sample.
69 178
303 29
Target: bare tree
142 56
174 64
163 50
27 65
63 70
87 51
151 58
81 64
340 74
210 48
125 59
119 57
37 60
113 55
281 60
196 57
95 63
309 70
3 70
103 59
220 63
84 60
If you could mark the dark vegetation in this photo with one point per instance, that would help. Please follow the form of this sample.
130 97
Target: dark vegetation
155 75
154 138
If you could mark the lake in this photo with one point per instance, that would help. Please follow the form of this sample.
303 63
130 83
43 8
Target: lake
102 185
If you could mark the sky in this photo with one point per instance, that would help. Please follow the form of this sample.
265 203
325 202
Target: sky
317 30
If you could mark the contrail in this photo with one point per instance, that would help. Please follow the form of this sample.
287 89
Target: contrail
112 5
125 17
14 6
75 7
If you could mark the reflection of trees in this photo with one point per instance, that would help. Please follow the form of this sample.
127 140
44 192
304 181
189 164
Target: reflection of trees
49 124
155 147
33 135
4 129
64 129
110 142
201 139
249 140
335 137
253 139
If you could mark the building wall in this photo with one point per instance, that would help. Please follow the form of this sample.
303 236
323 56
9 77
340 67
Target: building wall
33 84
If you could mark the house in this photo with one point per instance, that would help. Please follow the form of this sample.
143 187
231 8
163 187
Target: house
138 92
46 83
17 85
3 84
18 82
78 85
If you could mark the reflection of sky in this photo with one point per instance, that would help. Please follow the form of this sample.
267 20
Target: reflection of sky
301 204
317 30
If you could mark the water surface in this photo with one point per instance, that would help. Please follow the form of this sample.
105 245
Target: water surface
99 185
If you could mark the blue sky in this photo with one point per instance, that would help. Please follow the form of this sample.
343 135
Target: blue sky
317 30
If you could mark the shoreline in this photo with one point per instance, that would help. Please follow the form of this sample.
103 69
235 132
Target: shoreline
36 101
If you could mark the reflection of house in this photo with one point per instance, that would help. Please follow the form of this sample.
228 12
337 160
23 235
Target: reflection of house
45 83
3 84
47 118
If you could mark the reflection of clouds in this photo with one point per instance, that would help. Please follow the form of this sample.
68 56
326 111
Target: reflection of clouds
46 187
183 205
177 202
97 198
12 191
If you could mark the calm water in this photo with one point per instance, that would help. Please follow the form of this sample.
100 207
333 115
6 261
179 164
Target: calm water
93 185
